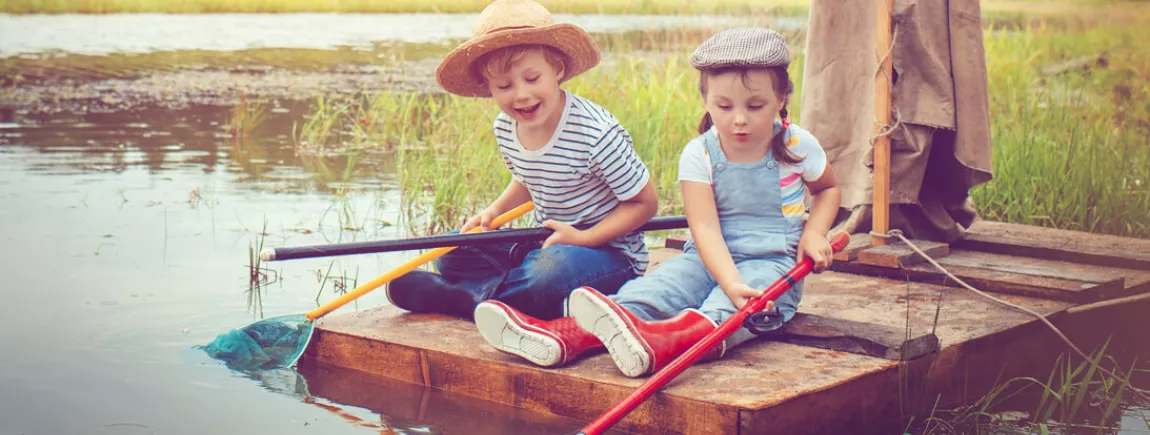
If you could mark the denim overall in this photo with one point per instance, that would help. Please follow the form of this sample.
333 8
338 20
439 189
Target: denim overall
762 241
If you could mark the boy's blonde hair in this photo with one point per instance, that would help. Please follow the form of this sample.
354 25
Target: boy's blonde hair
499 61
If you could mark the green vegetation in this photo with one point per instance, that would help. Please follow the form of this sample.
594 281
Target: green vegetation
1070 114
1074 398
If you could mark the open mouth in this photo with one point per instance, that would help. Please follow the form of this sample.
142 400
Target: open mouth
529 111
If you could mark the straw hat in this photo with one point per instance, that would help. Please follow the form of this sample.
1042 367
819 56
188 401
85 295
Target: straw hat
504 23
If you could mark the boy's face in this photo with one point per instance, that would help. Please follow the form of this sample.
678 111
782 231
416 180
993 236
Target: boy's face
528 91
743 107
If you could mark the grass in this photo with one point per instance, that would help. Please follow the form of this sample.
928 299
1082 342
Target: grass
393 6
1075 398
1070 149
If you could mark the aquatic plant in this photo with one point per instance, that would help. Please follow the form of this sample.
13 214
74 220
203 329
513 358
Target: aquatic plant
246 116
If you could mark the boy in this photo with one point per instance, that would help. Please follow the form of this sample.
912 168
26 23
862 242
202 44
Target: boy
567 155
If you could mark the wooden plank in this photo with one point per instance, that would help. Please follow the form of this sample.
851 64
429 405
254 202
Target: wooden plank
898 254
883 81
387 342
708 398
861 338
1001 278
1055 244
1039 267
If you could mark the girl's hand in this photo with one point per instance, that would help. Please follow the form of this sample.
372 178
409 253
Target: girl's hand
817 248
740 294
482 220
564 234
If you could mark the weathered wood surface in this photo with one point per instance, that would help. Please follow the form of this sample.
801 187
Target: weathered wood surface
1054 244
1027 276
879 341
898 254
758 385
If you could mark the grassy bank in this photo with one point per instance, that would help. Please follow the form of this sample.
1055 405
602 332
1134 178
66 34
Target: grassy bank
1069 112
394 6
1070 121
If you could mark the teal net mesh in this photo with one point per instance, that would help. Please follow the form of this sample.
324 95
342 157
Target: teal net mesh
268 344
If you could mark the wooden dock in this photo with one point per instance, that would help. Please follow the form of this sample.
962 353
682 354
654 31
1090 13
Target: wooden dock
835 370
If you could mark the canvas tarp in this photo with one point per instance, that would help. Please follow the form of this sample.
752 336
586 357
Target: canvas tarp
941 147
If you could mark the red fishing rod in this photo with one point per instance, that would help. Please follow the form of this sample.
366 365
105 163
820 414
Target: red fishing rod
755 305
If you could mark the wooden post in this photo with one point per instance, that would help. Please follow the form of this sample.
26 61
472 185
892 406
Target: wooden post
880 214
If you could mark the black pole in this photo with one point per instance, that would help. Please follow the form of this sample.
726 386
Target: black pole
439 241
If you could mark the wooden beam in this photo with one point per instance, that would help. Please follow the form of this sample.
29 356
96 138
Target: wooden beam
1010 275
881 341
900 255
1055 244
880 215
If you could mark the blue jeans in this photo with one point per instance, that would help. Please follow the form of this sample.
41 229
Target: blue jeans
523 275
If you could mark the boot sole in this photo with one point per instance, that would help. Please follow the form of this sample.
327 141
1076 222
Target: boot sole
597 317
505 332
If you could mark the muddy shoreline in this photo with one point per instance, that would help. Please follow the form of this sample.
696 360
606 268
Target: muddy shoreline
210 86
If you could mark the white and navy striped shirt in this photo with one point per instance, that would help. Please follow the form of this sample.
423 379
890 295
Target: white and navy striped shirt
582 173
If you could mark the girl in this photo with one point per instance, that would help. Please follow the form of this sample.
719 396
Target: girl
743 182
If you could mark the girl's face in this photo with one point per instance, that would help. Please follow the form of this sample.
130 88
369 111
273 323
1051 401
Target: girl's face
528 91
743 107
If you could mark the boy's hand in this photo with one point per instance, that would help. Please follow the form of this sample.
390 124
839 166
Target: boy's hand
740 294
564 234
818 248
482 220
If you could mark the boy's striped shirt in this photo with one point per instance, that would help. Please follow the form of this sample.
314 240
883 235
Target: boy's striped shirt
587 168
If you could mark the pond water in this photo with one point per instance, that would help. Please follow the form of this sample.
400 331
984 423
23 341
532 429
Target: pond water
128 235
139 33
128 239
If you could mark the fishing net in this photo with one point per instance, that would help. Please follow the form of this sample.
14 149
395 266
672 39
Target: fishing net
267 344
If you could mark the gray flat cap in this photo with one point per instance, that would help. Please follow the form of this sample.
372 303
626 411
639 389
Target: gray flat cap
752 47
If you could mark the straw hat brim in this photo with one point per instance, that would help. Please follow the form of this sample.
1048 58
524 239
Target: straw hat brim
454 73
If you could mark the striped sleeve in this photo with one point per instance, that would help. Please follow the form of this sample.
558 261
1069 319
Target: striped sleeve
614 160
814 157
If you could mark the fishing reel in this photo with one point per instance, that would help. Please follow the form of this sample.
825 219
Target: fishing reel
764 323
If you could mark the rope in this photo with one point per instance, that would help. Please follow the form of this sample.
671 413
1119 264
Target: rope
898 234
886 129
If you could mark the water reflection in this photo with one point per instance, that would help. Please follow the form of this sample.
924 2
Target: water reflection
198 138
396 407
